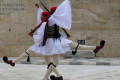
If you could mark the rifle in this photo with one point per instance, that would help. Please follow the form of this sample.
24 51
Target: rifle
46 8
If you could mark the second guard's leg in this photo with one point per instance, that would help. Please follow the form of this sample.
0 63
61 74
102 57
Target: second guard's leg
82 47
95 49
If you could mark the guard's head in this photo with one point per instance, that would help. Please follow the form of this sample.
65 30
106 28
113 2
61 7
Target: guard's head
44 15
53 9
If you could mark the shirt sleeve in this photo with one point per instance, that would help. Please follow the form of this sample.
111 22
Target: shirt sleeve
40 33
39 13
62 16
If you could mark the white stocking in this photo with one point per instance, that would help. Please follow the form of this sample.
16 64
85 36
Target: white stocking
82 47
47 59
49 70
55 62
55 59
22 56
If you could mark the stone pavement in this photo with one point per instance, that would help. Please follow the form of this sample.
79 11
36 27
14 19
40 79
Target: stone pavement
75 61
69 72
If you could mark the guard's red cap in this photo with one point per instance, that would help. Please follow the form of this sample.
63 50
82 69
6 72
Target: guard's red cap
53 9
46 13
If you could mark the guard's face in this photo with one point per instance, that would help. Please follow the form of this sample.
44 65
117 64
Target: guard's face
43 17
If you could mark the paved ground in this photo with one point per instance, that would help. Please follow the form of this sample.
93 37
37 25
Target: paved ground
69 72
71 69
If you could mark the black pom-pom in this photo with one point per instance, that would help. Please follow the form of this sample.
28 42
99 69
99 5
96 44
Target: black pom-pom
102 43
52 77
5 59
74 52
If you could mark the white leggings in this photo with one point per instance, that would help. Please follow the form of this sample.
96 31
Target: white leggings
51 67
54 57
47 61
81 47
23 56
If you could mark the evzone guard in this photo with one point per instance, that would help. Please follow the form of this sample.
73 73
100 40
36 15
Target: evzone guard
49 42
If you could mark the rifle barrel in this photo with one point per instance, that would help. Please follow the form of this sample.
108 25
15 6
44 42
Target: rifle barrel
45 7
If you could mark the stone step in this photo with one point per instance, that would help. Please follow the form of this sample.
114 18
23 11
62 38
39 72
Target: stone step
80 54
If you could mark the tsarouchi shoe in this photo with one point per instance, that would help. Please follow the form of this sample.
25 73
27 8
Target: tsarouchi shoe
5 59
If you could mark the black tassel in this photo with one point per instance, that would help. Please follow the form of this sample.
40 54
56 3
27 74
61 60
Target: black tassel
74 52
28 59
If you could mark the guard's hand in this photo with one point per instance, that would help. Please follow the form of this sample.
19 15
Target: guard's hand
31 34
37 5
68 36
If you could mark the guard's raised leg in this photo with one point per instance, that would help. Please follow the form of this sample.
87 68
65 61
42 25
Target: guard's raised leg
21 57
